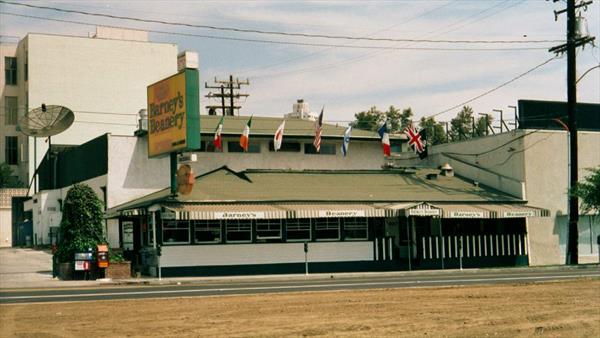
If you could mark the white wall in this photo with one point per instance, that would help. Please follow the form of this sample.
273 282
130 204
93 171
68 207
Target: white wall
94 75
243 254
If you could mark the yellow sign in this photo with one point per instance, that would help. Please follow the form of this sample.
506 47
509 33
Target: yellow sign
170 109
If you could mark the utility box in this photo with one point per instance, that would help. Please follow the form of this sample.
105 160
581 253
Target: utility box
102 256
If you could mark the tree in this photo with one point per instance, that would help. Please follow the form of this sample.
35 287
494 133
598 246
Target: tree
368 120
461 126
589 192
435 131
481 126
373 118
7 178
81 224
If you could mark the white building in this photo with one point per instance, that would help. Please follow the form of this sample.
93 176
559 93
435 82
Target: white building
117 167
301 110
101 78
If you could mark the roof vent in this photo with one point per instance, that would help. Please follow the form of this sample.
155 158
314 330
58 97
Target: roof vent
447 170
142 123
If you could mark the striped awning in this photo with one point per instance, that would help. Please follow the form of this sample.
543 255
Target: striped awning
480 210
415 209
331 210
225 211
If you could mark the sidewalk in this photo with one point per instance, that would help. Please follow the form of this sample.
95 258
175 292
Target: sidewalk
28 268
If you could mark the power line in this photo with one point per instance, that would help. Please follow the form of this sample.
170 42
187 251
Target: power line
307 44
493 89
266 32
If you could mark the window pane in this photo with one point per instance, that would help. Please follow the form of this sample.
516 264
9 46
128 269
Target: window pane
234 147
326 149
268 229
239 230
11 109
298 229
10 70
286 146
176 232
355 228
207 231
11 152
327 228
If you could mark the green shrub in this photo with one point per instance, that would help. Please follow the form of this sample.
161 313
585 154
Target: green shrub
81 224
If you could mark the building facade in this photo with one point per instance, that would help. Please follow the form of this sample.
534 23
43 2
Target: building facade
101 78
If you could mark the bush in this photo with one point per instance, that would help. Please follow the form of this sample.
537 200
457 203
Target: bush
81 224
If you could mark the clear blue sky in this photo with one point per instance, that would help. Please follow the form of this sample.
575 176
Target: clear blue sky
347 80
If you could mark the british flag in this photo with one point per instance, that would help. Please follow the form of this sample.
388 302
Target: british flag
417 140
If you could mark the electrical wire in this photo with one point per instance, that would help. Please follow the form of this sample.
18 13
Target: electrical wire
306 44
493 89
266 32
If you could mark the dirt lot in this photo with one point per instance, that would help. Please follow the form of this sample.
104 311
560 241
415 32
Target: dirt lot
565 309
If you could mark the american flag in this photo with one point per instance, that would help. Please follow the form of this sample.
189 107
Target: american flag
318 129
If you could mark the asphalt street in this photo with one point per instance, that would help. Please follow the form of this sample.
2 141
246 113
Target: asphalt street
296 284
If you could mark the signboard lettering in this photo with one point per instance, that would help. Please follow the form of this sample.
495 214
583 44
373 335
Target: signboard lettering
239 215
466 214
424 212
173 114
341 213
517 214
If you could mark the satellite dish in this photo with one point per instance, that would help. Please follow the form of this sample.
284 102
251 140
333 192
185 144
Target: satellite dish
46 121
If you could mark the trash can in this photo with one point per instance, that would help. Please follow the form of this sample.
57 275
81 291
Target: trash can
28 241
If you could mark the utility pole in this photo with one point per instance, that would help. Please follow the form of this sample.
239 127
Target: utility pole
222 85
574 40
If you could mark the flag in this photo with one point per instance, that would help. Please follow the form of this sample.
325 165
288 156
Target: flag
385 139
246 135
318 129
417 141
278 138
218 140
346 141
423 134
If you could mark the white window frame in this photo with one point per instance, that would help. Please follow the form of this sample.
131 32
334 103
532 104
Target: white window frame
177 222
297 225
229 224
206 226
271 225
327 224
356 223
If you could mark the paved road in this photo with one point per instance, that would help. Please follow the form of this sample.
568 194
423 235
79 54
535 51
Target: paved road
242 287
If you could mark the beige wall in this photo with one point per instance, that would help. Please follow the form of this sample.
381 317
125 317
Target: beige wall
10 50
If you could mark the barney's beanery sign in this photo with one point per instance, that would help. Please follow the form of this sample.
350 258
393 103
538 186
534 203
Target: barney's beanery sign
173 114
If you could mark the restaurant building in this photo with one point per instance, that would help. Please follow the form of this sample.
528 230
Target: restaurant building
258 221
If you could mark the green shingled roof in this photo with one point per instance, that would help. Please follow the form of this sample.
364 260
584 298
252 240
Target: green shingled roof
255 186
234 125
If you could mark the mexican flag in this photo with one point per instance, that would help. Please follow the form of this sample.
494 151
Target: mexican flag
218 140
246 135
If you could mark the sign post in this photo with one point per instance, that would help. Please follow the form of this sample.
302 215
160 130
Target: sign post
174 118
306 258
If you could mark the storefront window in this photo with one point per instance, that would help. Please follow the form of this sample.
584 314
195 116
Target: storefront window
268 229
327 229
355 228
239 230
176 232
208 231
298 229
